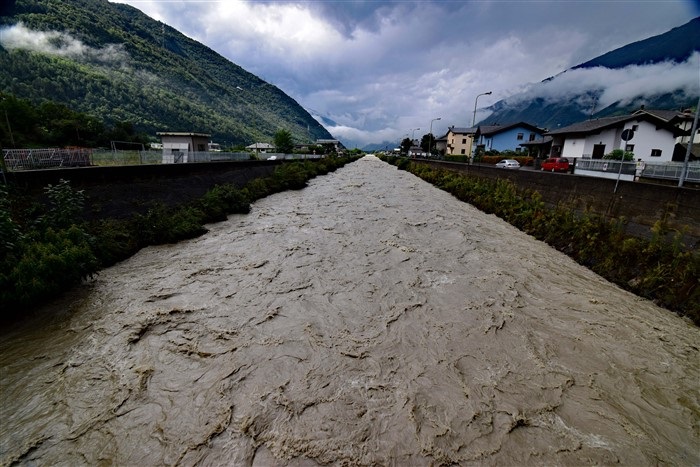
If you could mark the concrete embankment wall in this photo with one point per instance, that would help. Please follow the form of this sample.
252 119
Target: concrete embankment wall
120 192
641 203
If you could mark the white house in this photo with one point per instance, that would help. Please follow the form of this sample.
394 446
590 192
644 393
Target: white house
653 138
416 151
180 146
260 147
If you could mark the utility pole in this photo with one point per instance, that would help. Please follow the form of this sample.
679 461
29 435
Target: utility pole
684 171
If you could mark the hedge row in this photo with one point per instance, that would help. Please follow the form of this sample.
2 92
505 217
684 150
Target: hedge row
659 269
46 250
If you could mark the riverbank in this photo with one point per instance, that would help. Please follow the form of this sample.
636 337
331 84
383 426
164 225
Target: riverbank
656 266
52 241
368 319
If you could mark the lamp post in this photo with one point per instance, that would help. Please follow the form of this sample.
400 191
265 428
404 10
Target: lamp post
475 101
471 141
430 135
413 133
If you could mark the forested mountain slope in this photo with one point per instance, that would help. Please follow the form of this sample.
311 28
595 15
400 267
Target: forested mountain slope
114 62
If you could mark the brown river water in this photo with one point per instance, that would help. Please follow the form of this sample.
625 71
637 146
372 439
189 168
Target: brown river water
369 319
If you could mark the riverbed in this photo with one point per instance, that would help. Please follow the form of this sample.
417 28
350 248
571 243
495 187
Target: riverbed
369 319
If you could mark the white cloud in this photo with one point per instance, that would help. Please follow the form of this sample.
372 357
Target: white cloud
19 36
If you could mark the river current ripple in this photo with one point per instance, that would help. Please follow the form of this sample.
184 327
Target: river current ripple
369 319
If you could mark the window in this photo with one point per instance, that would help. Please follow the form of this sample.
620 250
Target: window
517 149
629 147
532 137
464 140
463 151
520 136
656 153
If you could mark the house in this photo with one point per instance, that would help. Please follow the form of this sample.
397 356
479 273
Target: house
260 147
440 145
684 121
505 137
417 151
180 146
539 148
459 141
653 138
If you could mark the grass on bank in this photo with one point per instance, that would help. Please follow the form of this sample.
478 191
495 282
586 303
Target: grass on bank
47 249
658 269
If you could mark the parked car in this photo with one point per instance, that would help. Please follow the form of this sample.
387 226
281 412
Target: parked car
556 164
508 164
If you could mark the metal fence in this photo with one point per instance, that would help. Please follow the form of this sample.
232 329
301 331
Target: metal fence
32 159
606 166
672 171
666 170
27 159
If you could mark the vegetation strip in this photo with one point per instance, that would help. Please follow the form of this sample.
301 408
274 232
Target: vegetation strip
658 269
47 249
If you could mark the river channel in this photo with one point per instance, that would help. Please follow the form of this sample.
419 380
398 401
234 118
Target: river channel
369 319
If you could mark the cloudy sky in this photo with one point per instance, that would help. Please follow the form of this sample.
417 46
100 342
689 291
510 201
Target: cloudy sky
381 69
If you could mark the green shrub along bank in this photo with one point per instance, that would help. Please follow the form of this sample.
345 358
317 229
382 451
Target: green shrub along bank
46 249
658 269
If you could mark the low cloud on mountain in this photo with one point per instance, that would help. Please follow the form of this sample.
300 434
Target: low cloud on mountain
19 36
607 86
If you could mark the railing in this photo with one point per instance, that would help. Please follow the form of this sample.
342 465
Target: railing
30 159
666 170
606 166
25 159
672 171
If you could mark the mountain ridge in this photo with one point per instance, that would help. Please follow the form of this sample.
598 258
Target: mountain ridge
112 60
547 105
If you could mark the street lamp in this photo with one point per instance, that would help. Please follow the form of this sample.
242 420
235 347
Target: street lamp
475 101
471 141
413 133
430 141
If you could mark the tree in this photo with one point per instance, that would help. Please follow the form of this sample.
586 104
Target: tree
283 141
406 145
426 141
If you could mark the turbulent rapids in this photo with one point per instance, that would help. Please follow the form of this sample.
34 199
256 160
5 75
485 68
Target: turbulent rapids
369 319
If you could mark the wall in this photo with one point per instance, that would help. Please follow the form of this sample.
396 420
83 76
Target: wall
641 203
120 192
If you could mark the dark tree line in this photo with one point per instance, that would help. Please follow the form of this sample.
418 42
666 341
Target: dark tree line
50 124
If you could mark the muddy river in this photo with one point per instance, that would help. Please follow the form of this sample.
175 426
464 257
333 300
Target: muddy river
369 319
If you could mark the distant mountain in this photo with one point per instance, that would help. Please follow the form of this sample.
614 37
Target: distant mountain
660 72
112 61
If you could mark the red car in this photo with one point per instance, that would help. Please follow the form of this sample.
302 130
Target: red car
556 164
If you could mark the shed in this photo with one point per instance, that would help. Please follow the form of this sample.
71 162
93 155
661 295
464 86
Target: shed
179 146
